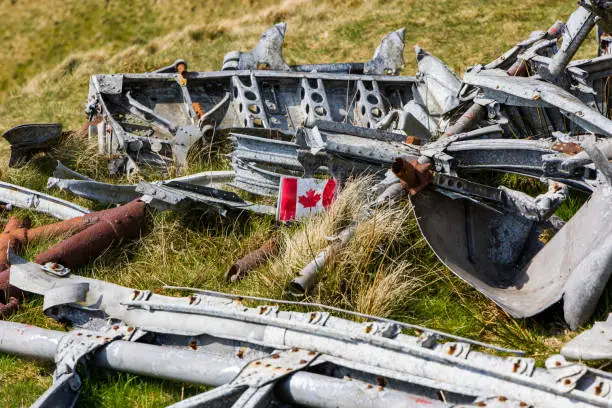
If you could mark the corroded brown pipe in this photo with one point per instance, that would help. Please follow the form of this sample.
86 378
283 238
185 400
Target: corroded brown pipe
243 266
9 308
98 231
414 175
14 235
119 223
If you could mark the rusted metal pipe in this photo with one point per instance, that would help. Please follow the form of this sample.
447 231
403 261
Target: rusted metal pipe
121 223
414 175
9 294
8 308
14 235
95 233
254 259
467 121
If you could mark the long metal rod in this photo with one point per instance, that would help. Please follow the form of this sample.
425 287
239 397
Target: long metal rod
351 313
191 366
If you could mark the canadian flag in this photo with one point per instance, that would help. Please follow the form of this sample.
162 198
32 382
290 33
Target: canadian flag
301 197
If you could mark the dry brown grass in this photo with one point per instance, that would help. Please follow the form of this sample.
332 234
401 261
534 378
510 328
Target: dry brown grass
361 276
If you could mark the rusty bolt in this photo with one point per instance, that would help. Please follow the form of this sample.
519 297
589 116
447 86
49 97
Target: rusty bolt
295 350
413 140
502 398
414 175
567 381
303 361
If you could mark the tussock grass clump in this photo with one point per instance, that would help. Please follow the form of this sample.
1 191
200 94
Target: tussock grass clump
371 274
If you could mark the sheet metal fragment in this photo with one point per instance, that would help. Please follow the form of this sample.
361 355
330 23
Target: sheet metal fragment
27 140
592 344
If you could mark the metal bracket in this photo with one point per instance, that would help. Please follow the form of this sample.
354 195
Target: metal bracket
566 374
369 107
255 381
71 351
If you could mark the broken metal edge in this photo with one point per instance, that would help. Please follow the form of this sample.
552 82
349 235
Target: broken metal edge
34 200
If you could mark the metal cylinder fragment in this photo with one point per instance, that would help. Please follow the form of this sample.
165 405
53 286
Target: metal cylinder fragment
307 277
95 232
254 259
119 223
467 121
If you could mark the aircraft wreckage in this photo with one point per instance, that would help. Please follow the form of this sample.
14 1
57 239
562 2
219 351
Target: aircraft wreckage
534 112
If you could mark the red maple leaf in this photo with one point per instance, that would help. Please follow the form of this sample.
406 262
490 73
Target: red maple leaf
310 199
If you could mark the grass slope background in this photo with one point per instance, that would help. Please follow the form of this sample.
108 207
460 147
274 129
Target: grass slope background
50 48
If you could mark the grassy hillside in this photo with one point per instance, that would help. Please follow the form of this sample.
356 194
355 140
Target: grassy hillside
49 50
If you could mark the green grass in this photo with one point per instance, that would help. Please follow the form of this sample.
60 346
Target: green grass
51 48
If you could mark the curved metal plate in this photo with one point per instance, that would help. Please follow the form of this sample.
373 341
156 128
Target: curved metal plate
490 251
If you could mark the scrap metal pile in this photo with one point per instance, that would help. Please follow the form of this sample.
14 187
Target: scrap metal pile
534 112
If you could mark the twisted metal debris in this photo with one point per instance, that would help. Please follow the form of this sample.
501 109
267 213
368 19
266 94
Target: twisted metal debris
532 112
253 354
92 234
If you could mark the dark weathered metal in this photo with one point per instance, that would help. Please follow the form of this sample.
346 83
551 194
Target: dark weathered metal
252 260
27 140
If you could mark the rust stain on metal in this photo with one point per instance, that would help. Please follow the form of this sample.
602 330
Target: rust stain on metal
414 175
413 140
197 108
94 233
467 121
570 148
